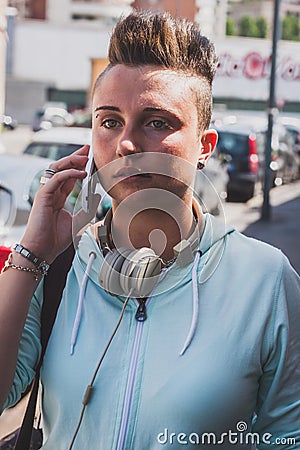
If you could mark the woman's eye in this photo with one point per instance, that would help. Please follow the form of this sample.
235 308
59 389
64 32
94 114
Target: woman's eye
110 123
159 124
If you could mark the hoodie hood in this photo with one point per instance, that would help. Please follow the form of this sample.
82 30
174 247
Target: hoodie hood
207 258
211 248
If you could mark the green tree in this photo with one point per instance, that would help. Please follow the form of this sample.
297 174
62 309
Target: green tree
262 27
230 27
248 27
290 28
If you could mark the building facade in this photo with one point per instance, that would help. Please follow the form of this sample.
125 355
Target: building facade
210 14
63 11
186 9
256 8
57 58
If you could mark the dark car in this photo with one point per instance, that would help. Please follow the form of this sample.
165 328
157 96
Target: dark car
246 151
244 139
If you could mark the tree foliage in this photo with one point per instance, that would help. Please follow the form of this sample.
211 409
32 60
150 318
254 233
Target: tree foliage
230 27
248 27
262 27
290 28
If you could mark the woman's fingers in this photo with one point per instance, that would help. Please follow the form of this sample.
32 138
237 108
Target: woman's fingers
49 222
62 174
76 160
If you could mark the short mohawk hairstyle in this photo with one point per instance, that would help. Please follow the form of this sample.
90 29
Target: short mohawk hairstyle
144 38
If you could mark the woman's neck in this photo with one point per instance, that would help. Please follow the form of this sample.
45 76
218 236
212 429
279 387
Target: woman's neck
152 228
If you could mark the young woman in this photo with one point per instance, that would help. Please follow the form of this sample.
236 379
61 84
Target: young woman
207 350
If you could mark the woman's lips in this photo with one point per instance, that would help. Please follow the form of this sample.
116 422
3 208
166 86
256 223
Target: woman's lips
130 173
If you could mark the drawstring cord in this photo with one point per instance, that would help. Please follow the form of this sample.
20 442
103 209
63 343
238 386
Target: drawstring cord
215 254
194 322
78 316
90 387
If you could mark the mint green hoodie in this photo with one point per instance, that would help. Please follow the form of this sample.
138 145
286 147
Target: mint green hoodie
217 355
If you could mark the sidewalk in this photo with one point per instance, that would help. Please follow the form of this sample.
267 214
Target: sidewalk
283 231
283 228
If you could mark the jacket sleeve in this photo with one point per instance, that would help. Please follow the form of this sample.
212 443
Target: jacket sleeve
278 404
29 350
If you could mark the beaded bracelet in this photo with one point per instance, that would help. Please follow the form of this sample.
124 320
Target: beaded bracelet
37 273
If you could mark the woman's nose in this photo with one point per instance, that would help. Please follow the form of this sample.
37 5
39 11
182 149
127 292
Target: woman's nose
128 144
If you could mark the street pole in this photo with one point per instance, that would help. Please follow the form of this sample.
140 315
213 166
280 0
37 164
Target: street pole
272 111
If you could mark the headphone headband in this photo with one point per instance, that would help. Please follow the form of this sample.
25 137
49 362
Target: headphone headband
137 271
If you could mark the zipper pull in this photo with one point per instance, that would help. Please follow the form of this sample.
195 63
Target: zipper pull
141 313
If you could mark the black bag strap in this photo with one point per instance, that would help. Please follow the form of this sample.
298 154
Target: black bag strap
54 283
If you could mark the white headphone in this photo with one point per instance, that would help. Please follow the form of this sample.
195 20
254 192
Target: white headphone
125 271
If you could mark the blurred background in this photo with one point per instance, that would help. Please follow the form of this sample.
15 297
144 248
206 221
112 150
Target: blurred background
52 50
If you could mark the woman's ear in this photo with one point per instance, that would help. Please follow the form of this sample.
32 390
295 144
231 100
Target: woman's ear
209 140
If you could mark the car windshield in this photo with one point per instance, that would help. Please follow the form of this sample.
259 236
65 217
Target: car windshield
51 150
232 143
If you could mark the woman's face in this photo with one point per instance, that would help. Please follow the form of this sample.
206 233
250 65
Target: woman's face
146 115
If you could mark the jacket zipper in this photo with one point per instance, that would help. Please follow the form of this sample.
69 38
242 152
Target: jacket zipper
140 316
141 313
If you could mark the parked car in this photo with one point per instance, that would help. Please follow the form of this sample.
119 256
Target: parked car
58 142
244 139
292 124
284 155
51 116
82 118
7 207
8 122
16 174
246 150
211 183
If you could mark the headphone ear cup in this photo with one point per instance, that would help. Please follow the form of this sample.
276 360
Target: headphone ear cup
109 274
139 271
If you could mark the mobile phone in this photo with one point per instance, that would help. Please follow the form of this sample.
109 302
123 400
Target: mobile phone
88 188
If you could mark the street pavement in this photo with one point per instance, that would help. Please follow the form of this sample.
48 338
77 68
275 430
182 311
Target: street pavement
283 228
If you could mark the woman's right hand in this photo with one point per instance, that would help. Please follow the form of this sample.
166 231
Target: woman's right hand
49 229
